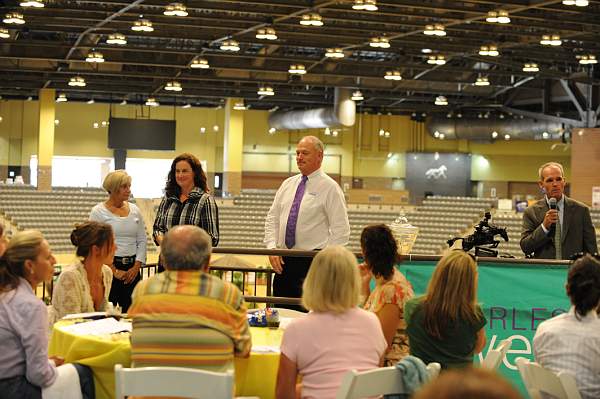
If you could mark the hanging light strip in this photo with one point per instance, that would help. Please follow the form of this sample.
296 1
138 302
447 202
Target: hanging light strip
266 34
62 98
530 67
176 10
392 75
365 5
151 102
499 17
489 51
482 81
77 81
441 100
116 38
95 56
14 18
381 42
550 40
311 19
142 25
335 52
173 86
357 96
436 59
588 59
578 3
4 34
34 4
230 45
199 63
435 30
265 91
297 69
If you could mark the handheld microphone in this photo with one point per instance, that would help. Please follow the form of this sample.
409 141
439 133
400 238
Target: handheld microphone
552 205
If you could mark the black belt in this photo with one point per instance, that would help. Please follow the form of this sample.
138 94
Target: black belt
125 260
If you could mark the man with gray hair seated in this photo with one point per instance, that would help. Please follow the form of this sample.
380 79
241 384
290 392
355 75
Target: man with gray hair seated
186 317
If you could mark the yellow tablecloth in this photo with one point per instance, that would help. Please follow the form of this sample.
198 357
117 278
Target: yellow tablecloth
254 376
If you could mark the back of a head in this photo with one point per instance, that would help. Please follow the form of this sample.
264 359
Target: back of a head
23 246
186 248
583 284
452 292
380 249
468 383
89 234
332 283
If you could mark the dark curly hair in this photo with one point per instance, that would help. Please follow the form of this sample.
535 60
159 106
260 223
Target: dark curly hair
379 249
583 285
88 234
172 189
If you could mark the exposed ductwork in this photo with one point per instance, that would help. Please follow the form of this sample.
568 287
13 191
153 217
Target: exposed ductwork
483 129
343 113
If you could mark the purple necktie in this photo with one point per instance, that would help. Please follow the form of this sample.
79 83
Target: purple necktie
290 229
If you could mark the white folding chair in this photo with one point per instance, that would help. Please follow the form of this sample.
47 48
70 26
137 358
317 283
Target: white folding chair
379 381
494 357
539 380
172 381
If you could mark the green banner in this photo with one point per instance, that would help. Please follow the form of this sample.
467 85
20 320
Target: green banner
515 298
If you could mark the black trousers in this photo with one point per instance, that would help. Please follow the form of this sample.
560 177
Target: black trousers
289 282
120 293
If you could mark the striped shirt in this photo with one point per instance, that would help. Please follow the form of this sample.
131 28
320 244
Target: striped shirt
188 319
200 209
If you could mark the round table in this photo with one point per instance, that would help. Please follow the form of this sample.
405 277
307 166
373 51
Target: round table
254 376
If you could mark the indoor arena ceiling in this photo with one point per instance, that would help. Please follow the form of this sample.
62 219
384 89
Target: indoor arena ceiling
52 45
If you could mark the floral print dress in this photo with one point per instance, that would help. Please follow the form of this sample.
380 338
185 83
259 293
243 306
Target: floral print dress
396 291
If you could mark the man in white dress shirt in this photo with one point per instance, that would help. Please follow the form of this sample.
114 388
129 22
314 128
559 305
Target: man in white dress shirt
571 342
308 213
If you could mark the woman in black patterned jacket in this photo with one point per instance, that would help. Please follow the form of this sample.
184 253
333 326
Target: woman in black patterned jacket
187 200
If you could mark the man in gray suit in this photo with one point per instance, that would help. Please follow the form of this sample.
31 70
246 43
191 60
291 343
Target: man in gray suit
560 232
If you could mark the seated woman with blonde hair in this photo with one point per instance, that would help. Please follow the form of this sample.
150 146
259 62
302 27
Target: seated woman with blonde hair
335 337
85 285
446 325
26 371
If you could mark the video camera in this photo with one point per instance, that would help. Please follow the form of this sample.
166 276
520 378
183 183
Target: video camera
482 236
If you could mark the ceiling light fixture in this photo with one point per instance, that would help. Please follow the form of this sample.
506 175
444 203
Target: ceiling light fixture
77 81
357 96
142 25
482 81
436 60
297 69
173 86
95 56
587 59
13 18
490 51
4 34
90 101
392 75
62 98
230 45
499 17
176 10
494 134
186 106
238 106
530 67
335 52
578 3
151 102
507 137
441 100
265 91
381 42
266 34
365 5
435 30
311 19
550 40
34 4
199 63
116 38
